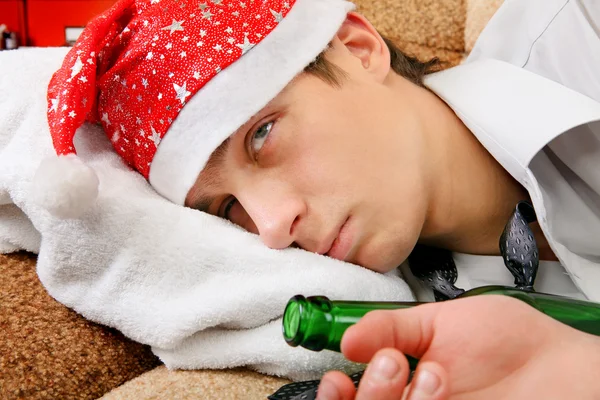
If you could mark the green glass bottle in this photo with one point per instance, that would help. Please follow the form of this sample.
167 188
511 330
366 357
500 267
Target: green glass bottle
317 323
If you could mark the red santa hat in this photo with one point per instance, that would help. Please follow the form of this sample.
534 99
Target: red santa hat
169 81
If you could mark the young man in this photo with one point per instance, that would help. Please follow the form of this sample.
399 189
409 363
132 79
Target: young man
359 162
368 168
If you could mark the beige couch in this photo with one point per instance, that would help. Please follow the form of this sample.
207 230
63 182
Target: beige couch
49 352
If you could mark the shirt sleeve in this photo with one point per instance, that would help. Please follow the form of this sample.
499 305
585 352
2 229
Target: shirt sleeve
568 174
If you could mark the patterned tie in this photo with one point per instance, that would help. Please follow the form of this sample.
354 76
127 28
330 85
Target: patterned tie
436 269
305 390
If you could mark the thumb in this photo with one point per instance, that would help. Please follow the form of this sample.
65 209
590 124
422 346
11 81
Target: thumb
408 330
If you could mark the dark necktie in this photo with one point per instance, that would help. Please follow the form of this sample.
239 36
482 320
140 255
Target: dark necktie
436 269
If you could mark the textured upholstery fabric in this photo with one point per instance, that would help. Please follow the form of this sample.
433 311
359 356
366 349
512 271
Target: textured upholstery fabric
50 352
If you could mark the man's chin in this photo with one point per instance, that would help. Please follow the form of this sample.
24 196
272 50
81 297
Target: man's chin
380 254
378 266
376 261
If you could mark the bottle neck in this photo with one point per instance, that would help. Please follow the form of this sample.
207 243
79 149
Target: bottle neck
317 323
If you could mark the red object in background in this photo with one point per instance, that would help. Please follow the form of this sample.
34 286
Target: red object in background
47 19
12 14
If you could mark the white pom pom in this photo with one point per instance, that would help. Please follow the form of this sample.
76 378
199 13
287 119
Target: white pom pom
65 186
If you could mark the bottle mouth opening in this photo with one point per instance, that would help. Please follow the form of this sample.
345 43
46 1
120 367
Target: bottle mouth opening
292 320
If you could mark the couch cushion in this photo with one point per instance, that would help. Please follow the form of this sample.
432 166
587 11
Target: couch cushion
161 383
422 28
479 12
50 352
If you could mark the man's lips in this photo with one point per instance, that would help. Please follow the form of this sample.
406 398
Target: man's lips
342 244
326 244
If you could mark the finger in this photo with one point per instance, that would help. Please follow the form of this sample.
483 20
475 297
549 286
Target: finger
336 385
430 383
410 331
385 378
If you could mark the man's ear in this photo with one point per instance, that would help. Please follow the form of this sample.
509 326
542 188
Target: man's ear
364 42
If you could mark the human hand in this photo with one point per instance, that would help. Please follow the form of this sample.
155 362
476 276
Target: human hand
486 347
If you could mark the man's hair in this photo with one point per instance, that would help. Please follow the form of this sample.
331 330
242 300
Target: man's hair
404 65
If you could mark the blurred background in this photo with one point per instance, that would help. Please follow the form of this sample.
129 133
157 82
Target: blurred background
45 22
446 29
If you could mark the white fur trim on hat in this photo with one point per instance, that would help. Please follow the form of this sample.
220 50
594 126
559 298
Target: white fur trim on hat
241 90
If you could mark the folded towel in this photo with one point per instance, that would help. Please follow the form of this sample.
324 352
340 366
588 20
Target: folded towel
201 291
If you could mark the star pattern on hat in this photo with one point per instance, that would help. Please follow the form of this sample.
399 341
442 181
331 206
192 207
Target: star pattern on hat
246 45
133 72
175 26
76 68
155 137
181 92
54 106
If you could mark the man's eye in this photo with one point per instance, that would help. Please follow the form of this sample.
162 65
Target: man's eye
260 136
226 207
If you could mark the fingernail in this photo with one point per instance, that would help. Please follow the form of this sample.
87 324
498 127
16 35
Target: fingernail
384 368
327 391
425 386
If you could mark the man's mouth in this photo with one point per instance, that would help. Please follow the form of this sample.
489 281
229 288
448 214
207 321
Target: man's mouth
342 244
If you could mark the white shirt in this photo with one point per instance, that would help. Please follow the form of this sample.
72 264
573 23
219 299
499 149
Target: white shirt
544 129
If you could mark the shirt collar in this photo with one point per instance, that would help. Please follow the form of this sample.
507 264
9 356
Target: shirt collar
514 113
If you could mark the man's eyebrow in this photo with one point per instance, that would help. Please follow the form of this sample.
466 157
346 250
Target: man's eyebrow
210 176
216 158
202 203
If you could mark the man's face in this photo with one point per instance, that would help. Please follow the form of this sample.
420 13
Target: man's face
333 170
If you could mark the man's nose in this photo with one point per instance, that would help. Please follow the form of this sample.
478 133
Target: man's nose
276 214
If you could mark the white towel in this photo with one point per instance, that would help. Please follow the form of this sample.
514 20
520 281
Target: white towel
201 291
